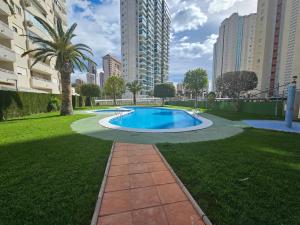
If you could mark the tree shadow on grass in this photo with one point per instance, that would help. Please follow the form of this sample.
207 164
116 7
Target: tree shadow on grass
34 118
52 180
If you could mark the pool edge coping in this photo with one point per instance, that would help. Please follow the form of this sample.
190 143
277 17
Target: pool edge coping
205 124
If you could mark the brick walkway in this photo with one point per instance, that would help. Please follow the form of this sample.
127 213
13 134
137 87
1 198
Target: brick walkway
141 190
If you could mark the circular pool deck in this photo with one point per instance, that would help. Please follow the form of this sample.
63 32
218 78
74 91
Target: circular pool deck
220 129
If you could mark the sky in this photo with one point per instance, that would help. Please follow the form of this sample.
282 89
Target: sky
195 25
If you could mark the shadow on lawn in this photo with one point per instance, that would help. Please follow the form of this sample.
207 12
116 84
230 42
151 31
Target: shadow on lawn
52 180
33 118
251 178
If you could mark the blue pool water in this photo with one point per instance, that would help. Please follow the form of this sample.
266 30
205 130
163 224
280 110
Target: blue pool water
112 110
155 118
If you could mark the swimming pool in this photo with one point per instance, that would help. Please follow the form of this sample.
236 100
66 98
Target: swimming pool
155 119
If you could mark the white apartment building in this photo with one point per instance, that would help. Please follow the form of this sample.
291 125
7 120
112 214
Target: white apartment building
290 46
234 48
145 39
111 66
269 30
16 72
92 77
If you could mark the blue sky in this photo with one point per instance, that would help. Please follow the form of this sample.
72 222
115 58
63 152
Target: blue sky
195 25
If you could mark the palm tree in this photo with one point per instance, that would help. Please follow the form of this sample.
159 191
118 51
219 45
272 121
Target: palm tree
10 5
68 56
134 87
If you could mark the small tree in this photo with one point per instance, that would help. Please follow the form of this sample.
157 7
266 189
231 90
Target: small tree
114 86
134 87
89 91
195 81
232 84
164 90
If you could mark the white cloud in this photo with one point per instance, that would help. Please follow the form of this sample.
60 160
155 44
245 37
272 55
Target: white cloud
183 39
216 6
194 50
98 26
187 17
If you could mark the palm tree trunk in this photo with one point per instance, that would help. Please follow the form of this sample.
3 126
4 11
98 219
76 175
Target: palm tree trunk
66 97
115 102
134 98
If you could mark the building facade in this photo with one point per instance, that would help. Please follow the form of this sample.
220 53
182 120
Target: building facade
234 48
145 40
91 76
290 47
269 30
111 66
16 72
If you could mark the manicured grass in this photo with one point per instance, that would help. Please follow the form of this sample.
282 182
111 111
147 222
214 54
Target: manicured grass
241 116
249 179
49 174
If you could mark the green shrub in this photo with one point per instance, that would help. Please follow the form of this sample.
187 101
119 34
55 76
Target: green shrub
18 104
54 104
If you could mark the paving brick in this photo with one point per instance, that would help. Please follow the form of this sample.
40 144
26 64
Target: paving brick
182 213
163 177
150 216
116 219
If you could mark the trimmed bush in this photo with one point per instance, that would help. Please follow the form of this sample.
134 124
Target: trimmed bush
18 104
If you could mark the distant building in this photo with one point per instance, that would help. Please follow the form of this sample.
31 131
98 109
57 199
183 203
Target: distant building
101 74
91 76
79 82
234 49
111 66
180 89
145 34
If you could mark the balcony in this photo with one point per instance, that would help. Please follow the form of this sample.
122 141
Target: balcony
42 5
6 54
42 68
7 76
4 10
40 83
5 31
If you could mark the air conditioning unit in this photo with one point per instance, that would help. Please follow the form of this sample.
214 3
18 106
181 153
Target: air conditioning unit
27 3
29 23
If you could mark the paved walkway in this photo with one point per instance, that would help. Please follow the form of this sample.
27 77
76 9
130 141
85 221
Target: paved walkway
141 190
221 129
274 125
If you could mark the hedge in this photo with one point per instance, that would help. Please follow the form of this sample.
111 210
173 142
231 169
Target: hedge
260 108
18 104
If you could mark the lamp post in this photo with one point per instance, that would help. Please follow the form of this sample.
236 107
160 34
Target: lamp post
290 103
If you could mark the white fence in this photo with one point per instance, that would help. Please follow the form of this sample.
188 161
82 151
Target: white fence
139 101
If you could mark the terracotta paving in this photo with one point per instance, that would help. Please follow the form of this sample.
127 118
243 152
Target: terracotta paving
140 190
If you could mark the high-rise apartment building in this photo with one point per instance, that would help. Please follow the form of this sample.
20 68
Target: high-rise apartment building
101 75
111 66
269 30
16 71
290 46
91 76
234 48
145 34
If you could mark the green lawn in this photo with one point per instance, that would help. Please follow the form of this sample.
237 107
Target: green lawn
249 179
49 174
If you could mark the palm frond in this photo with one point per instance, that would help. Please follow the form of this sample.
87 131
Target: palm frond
49 28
